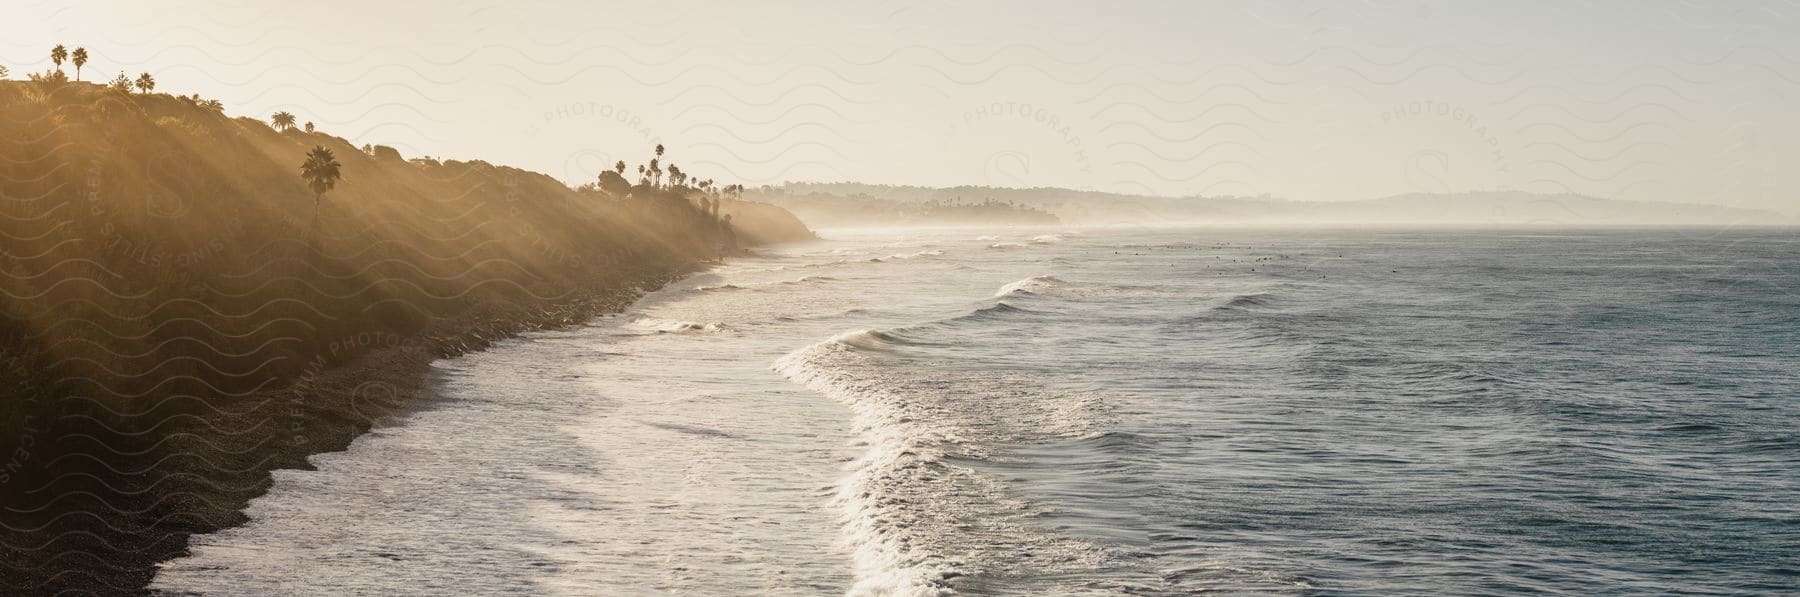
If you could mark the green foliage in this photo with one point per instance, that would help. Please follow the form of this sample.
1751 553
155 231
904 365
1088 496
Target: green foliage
53 78
183 126
613 184
321 171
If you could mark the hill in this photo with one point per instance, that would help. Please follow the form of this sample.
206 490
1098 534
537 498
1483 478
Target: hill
180 313
1490 208
828 210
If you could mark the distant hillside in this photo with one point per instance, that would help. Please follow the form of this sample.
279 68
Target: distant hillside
180 312
830 210
1496 208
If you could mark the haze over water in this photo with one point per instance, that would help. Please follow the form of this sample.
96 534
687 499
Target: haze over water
1044 411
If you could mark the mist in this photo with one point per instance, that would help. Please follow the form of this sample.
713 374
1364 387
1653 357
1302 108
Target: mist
1667 102
863 205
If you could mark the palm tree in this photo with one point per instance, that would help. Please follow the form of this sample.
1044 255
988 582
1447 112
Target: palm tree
659 148
321 173
146 83
309 126
57 54
2 71
282 120
214 105
617 167
79 58
642 178
121 83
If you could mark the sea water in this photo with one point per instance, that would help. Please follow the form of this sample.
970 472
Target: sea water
1098 411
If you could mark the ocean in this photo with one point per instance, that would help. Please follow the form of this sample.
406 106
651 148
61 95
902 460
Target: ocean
1098 411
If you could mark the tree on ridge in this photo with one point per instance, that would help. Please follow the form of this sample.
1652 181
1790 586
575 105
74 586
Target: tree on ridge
79 58
321 171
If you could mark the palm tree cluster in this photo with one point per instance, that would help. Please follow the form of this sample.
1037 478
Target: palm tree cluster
669 179
79 58
58 55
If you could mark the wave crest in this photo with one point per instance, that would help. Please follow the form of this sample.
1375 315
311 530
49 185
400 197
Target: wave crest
672 326
917 517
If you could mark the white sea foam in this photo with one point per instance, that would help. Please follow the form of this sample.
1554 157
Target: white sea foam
1053 286
925 253
668 326
1033 285
914 519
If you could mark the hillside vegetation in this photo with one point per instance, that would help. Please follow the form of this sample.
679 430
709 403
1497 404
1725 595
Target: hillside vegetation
180 312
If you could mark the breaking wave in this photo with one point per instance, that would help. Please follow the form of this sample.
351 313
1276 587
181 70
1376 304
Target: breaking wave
671 326
917 515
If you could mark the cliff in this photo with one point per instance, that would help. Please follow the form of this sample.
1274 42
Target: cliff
180 313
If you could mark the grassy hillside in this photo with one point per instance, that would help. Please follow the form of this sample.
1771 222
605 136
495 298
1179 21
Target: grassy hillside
177 316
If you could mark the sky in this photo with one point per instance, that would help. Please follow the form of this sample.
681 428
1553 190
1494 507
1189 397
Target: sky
1327 100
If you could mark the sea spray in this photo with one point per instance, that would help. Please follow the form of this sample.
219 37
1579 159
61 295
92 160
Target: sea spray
915 517
887 559
669 326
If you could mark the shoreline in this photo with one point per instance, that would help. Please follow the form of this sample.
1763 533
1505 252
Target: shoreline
321 412
160 363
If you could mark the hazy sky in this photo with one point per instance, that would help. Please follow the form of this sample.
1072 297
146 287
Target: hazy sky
1675 101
